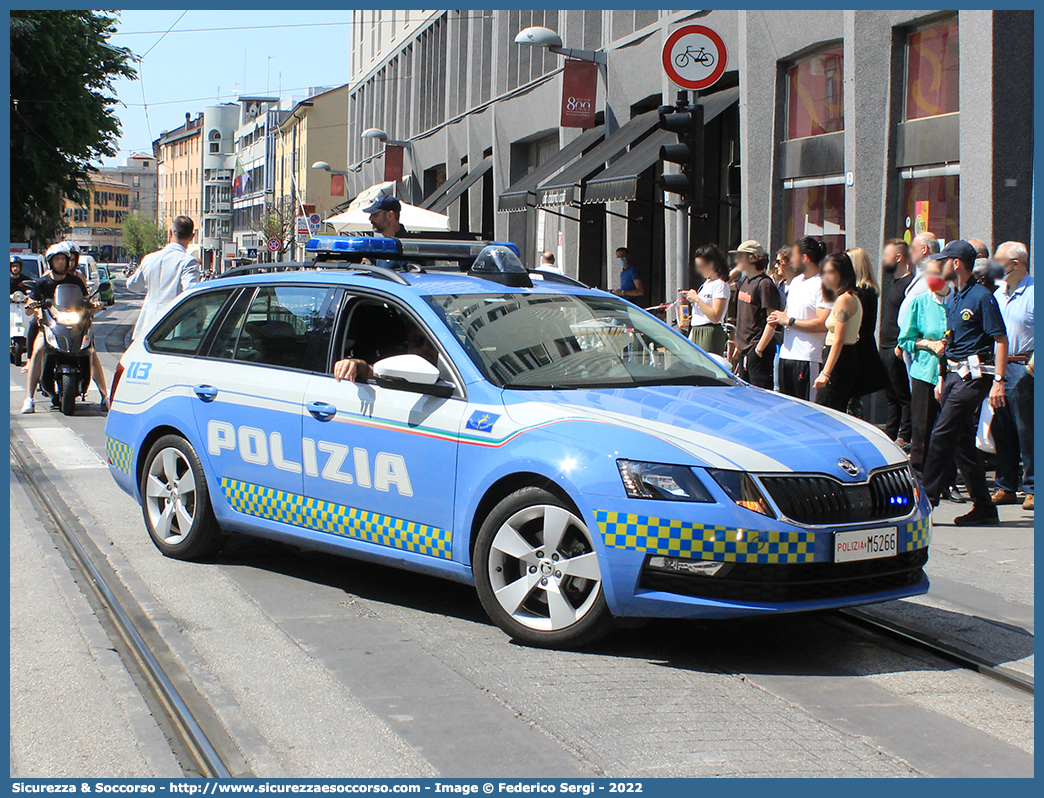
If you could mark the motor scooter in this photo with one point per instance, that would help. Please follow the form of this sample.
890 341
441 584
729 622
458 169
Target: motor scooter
65 324
19 327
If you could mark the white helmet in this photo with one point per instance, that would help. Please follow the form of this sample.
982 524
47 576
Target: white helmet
61 248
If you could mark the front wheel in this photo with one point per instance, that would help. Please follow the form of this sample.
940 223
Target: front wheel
69 388
537 572
176 503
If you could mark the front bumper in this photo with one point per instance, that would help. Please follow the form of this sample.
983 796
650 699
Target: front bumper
768 565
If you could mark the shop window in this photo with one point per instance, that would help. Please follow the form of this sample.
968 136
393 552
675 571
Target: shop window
816 210
815 95
929 201
932 71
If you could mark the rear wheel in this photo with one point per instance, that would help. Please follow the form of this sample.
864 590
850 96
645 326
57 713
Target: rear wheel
537 572
176 503
69 390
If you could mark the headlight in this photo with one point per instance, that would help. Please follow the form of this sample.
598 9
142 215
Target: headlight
673 483
742 490
69 318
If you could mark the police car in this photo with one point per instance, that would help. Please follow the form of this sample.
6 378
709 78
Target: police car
570 455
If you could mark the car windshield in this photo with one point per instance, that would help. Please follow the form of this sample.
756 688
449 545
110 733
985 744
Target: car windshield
564 341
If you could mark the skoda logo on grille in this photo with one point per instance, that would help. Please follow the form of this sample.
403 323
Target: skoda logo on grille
848 467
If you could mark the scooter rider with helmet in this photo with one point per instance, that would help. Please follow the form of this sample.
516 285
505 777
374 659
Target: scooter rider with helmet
61 262
18 277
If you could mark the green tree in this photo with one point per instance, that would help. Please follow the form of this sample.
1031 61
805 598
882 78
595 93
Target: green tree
62 71
141 235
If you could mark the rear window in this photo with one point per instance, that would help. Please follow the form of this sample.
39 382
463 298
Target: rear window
182 331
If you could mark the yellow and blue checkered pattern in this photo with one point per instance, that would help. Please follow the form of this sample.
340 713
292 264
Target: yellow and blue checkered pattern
917 534
337 519
120 454
675 538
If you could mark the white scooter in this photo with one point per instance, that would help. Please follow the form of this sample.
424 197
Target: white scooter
19 327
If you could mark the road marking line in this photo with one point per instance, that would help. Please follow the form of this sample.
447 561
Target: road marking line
64 448
15 388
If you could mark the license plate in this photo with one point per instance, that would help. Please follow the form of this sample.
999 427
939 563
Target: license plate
865 544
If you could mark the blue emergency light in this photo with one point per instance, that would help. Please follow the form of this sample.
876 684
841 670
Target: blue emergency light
362 245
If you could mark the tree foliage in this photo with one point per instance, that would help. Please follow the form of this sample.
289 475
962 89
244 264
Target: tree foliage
279 220
62 73
141 235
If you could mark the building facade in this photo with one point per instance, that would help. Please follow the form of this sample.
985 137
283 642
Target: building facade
179 153
97 228
313 131
254 172
857 126
219 162
140 172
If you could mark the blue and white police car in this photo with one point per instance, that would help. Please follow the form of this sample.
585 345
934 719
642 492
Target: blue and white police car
567 453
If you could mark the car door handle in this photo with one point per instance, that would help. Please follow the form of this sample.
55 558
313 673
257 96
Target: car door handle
322 410
208 393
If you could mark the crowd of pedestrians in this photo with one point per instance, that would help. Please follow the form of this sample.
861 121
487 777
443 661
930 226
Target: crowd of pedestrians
953 357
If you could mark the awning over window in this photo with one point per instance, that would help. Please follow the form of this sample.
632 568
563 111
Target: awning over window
564 188
440 205
521 194
447 185
619 183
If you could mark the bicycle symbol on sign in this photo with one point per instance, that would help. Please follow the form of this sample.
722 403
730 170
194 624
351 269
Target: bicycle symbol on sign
700 56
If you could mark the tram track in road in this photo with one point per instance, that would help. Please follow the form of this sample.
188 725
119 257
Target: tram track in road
867 624
197 737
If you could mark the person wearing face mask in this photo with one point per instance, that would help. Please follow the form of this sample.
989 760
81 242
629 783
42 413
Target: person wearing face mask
895 261
922 334
710 302
1013 423
804 321
976 355
630 281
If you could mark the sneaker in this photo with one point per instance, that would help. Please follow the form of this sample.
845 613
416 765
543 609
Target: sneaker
28 406
1001 496
1028 504
903 444
104 404
979 516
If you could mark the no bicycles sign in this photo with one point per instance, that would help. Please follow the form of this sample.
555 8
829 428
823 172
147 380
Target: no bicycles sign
694 57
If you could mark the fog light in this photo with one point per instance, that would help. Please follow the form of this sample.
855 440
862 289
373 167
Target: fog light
678 566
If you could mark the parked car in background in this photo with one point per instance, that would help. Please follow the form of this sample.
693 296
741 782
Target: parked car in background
107 296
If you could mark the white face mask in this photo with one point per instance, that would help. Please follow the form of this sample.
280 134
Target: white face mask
621 261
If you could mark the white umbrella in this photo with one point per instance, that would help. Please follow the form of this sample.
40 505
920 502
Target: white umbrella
414 219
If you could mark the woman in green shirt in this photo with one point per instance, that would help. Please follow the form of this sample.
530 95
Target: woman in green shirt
922 334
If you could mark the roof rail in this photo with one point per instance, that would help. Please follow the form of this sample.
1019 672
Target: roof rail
264 268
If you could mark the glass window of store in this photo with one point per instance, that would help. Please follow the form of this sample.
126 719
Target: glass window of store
930 193
815 205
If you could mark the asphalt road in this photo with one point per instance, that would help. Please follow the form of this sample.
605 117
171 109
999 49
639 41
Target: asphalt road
323 666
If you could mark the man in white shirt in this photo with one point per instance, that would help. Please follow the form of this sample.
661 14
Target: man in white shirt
804 320
547 263
163 275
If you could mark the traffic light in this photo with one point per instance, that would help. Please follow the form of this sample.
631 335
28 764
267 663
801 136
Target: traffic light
687 122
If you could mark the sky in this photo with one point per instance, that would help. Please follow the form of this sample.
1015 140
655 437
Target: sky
188 68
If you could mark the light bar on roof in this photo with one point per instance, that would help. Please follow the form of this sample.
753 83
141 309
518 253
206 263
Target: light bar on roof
363 245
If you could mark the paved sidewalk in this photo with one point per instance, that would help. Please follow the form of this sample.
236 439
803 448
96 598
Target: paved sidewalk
981 599
75 710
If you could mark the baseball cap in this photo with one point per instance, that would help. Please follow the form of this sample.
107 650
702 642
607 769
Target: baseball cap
384 202
959 249
750 247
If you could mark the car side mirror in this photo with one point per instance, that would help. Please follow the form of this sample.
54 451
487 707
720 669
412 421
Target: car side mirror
410 373
721 361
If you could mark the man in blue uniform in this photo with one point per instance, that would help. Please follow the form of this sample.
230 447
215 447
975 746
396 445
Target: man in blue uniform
975 356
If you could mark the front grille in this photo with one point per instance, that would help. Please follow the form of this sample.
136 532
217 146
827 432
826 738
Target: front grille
824 501
818 581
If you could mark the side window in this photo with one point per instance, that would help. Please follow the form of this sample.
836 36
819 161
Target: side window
284 326
183 330
378 329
